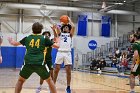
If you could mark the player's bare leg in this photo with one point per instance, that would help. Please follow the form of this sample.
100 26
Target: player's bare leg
56 71
19 84
132 83
51 72
39 88
51 85
139 80
68 76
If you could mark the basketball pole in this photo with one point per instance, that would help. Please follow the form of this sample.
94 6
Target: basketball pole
43 12
53 23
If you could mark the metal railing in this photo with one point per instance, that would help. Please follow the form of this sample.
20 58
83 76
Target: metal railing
105 49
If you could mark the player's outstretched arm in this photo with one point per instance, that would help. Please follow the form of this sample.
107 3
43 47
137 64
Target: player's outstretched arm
56 30
1 39
13 42
73 27
56 44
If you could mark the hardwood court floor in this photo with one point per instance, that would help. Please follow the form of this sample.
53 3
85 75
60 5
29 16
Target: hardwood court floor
82 82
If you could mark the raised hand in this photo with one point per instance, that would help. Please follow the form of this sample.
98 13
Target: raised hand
54 27
56 30
70 21
10 39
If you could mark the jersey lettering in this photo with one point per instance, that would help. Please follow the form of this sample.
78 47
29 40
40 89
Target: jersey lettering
31 43
34 43
65 42
65 39
37 43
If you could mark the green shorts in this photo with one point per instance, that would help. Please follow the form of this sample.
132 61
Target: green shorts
49 64
41 70
137 71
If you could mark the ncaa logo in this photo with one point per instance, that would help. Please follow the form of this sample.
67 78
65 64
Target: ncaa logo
92 44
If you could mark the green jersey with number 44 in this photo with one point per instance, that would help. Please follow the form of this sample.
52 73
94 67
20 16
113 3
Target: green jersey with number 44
35 45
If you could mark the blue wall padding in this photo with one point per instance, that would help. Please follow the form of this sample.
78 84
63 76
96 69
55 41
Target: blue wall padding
20 52
8 56
13 57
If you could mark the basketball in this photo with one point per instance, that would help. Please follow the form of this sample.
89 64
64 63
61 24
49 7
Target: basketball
64 19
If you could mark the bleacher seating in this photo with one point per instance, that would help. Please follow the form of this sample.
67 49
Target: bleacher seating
122 43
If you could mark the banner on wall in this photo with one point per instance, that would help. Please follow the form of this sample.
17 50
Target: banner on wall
106 26
82 25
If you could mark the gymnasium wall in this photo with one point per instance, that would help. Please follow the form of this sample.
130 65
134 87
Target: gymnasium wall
80 44
125 25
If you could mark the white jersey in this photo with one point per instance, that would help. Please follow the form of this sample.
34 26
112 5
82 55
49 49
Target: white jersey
65 42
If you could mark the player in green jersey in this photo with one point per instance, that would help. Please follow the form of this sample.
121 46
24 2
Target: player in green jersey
34 60
135 67
48 60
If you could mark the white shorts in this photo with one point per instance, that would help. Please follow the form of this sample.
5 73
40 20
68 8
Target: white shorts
63 57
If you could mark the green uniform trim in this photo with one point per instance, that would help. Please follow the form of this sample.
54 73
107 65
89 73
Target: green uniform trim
49 64
48 53
137 71
48 57
41 70
136 46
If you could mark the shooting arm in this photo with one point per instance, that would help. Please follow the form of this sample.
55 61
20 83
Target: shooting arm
1 39
73 27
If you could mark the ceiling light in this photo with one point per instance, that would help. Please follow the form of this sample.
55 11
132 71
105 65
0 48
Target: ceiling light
124 1
118 3
74 0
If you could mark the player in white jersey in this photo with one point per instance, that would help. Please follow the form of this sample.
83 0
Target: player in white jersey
0 49
65 42
64 52
1 39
